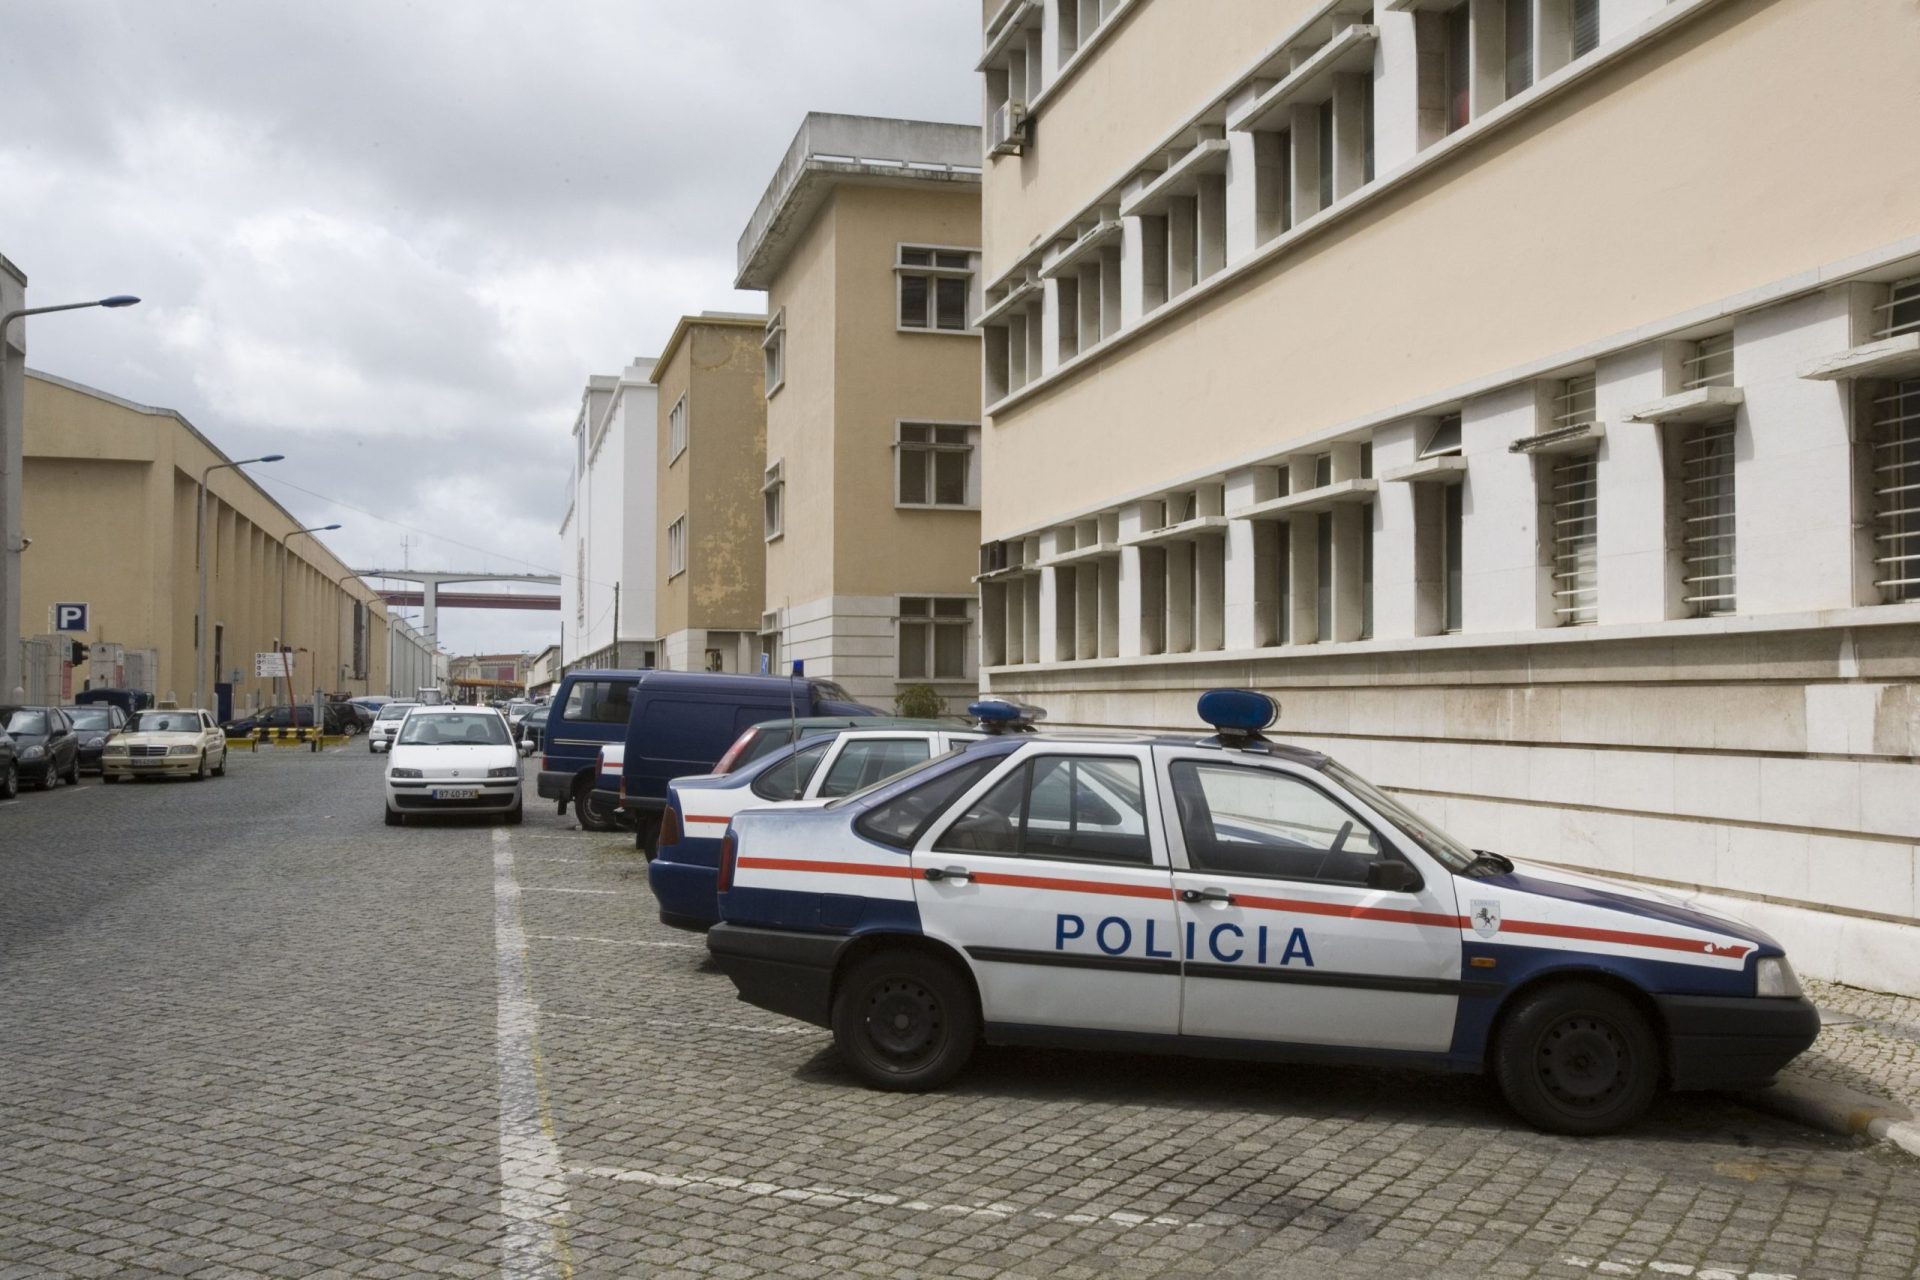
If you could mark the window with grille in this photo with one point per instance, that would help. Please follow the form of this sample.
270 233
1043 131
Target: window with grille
773 497
1896 490
677 547
1706 518
1576 405
773 346
935 465
1519 40
1575 512
933 287
1710 364
1445 440
1586 27
677 429
1900 313
933 637
1458 60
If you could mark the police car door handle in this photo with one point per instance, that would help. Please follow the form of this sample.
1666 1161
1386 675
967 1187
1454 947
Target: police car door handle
1206 895
948 873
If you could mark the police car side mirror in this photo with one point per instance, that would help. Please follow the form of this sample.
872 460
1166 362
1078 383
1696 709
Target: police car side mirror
1392 875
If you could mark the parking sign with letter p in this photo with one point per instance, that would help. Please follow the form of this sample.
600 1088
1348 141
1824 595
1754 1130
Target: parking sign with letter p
70 617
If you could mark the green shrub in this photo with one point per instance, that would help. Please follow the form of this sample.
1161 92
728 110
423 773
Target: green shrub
919 701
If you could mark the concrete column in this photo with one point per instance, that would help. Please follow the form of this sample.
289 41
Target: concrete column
1398 67
1057 323
1348 577
993 624
1030 616
1506 581
1086 609
1552 37
1088 291
1402 583
13 379
1303 576
1056 601
1110 291
1179 597
1134 520
1252 180
1209 592
1050 52
1349 132
1250 577
1486 56
1210 207
1795 504
1138 275
1182 248
1305 161
1636 532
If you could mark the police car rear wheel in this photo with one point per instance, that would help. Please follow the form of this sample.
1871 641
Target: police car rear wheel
904 1020
1578 1059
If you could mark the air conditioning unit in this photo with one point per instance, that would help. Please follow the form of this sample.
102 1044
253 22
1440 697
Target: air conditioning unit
1007 132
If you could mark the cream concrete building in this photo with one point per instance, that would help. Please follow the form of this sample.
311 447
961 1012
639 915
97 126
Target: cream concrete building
867 244
710 455
607 588
1527 391
110 491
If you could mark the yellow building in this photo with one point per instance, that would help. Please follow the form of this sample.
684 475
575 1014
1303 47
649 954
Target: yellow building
711 451
1529 390
867 244
110 490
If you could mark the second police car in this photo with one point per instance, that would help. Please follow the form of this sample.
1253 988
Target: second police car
1230 896
823 766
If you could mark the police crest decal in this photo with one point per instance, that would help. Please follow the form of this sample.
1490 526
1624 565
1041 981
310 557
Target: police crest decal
1486 916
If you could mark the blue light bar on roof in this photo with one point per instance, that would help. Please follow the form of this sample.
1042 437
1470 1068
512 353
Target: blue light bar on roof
1238 711
998 714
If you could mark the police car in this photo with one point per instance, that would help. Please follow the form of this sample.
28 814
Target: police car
820 767
1230 896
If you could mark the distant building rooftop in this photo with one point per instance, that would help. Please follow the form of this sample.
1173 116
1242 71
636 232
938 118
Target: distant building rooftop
868 150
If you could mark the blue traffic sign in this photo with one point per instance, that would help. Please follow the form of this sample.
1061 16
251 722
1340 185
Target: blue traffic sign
70 617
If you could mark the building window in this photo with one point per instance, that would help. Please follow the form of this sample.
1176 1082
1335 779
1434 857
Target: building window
774 347
1900 313
1586 27
1366 573
1575 509
1323 575
1322 470
935 465
770 642
1452 527
1458 68
677 429
1519 36
1710 365
1445 440
1576 406
933 637
773 498
677 547
1706 518
1896 490
934 285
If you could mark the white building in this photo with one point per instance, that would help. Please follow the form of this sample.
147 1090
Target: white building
607 535
412 663
1526 391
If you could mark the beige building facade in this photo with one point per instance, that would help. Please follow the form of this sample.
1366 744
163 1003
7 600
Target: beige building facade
710 456
110 490
867 245
1527 392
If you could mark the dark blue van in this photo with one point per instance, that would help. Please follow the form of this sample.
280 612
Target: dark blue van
589 710
682 722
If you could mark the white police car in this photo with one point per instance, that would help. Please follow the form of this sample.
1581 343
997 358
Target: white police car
682 869
1230 896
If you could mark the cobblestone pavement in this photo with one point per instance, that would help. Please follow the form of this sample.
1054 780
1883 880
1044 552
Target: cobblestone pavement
250 1030
1870 1042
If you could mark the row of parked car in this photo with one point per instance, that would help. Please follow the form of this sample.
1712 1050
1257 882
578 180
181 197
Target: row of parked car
43 746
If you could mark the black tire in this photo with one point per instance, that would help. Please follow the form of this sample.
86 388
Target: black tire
220 770
73 771
516 815
200 770
646 833
395 817
49 779
10 782
1577 1058
590 818
904 1020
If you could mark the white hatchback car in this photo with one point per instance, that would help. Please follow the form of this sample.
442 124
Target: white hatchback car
453 759
386 724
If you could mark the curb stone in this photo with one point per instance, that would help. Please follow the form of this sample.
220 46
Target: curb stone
1838 1109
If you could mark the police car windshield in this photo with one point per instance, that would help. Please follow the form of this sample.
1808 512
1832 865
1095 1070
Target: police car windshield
905 775
1455 856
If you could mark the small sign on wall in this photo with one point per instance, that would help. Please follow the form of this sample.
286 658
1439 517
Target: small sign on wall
71 616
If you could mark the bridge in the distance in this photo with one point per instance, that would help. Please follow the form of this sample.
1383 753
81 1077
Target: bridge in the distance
431 599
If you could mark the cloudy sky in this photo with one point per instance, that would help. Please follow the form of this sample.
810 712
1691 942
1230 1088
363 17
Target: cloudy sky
391 238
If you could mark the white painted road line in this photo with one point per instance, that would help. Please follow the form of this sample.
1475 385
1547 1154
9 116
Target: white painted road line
533 1183
612 942
834 1197
1640 1267
540 889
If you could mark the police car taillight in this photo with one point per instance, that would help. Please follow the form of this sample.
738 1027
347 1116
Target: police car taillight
729 849
734 752
669 827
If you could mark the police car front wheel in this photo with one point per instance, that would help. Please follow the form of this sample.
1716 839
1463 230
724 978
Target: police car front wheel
1577 1058
904 1020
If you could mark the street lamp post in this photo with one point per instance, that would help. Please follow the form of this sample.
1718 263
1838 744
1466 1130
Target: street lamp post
202 648
319 528
12 433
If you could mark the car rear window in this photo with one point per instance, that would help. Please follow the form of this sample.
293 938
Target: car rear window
901 821
599 702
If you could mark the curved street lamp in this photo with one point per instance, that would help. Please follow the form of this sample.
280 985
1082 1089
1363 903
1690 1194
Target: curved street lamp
201 648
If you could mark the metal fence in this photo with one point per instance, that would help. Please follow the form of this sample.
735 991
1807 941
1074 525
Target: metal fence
40 671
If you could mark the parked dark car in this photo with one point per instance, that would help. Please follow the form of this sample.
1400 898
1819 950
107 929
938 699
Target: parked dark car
9 767
336 720
94 725
48 749
128 700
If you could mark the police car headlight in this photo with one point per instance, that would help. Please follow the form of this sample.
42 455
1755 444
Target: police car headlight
1773 976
